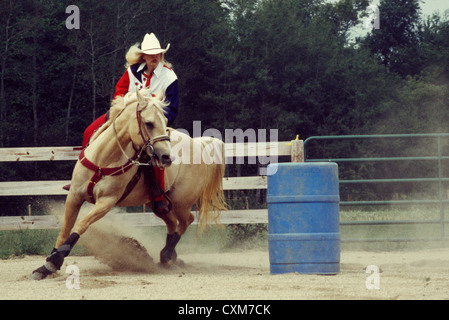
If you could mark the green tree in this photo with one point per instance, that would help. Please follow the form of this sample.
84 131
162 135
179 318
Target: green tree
18 21
419 102
396 42
292 69
435 46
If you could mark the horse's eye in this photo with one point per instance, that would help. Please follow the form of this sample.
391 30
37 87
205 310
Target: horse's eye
149 125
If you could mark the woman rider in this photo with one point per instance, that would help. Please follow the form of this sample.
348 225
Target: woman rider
147 69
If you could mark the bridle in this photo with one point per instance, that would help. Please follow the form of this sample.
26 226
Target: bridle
148 141
135 160
143 131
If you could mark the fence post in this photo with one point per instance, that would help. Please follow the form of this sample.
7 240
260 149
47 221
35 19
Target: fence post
297 153
440 187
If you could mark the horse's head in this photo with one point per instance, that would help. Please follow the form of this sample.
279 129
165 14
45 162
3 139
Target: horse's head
153 131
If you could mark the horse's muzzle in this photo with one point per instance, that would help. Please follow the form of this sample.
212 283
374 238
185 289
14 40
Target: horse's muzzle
163 161
166 160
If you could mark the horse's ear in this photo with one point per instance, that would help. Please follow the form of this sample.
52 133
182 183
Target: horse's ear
160 95
141 100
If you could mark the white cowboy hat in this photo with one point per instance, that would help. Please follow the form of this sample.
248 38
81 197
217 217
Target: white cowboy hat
151 45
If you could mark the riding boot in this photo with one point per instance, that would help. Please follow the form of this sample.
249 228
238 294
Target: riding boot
158 203
160 208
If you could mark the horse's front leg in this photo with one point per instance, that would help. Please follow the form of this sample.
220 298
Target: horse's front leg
56 258
72 207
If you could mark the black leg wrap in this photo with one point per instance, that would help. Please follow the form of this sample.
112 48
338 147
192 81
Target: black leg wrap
56 259
57 256
71 240
169 253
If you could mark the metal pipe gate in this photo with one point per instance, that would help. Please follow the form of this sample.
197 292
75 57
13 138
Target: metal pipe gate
438 158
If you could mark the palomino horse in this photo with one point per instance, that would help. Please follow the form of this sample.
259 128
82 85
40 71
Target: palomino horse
137 125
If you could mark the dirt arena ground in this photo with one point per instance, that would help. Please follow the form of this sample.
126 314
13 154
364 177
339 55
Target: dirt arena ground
216 274
235 275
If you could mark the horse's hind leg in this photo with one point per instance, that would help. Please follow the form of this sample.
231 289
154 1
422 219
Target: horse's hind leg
185 218
168 253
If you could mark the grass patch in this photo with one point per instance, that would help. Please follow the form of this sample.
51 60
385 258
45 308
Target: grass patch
41 242
30 242
249 236
414 212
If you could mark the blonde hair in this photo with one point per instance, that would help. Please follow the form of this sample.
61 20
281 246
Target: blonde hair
135 55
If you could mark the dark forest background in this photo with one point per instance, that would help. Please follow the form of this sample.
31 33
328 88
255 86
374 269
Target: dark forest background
290 65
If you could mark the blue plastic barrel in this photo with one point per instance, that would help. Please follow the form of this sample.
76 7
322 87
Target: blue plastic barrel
303 218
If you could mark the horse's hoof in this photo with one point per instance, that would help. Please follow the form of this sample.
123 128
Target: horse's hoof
42 272
168 256
171 264
179 263
37 276
166 265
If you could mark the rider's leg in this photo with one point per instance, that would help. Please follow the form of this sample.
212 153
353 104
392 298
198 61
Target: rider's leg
157 182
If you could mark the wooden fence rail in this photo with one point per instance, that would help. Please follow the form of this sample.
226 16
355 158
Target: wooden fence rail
293 148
